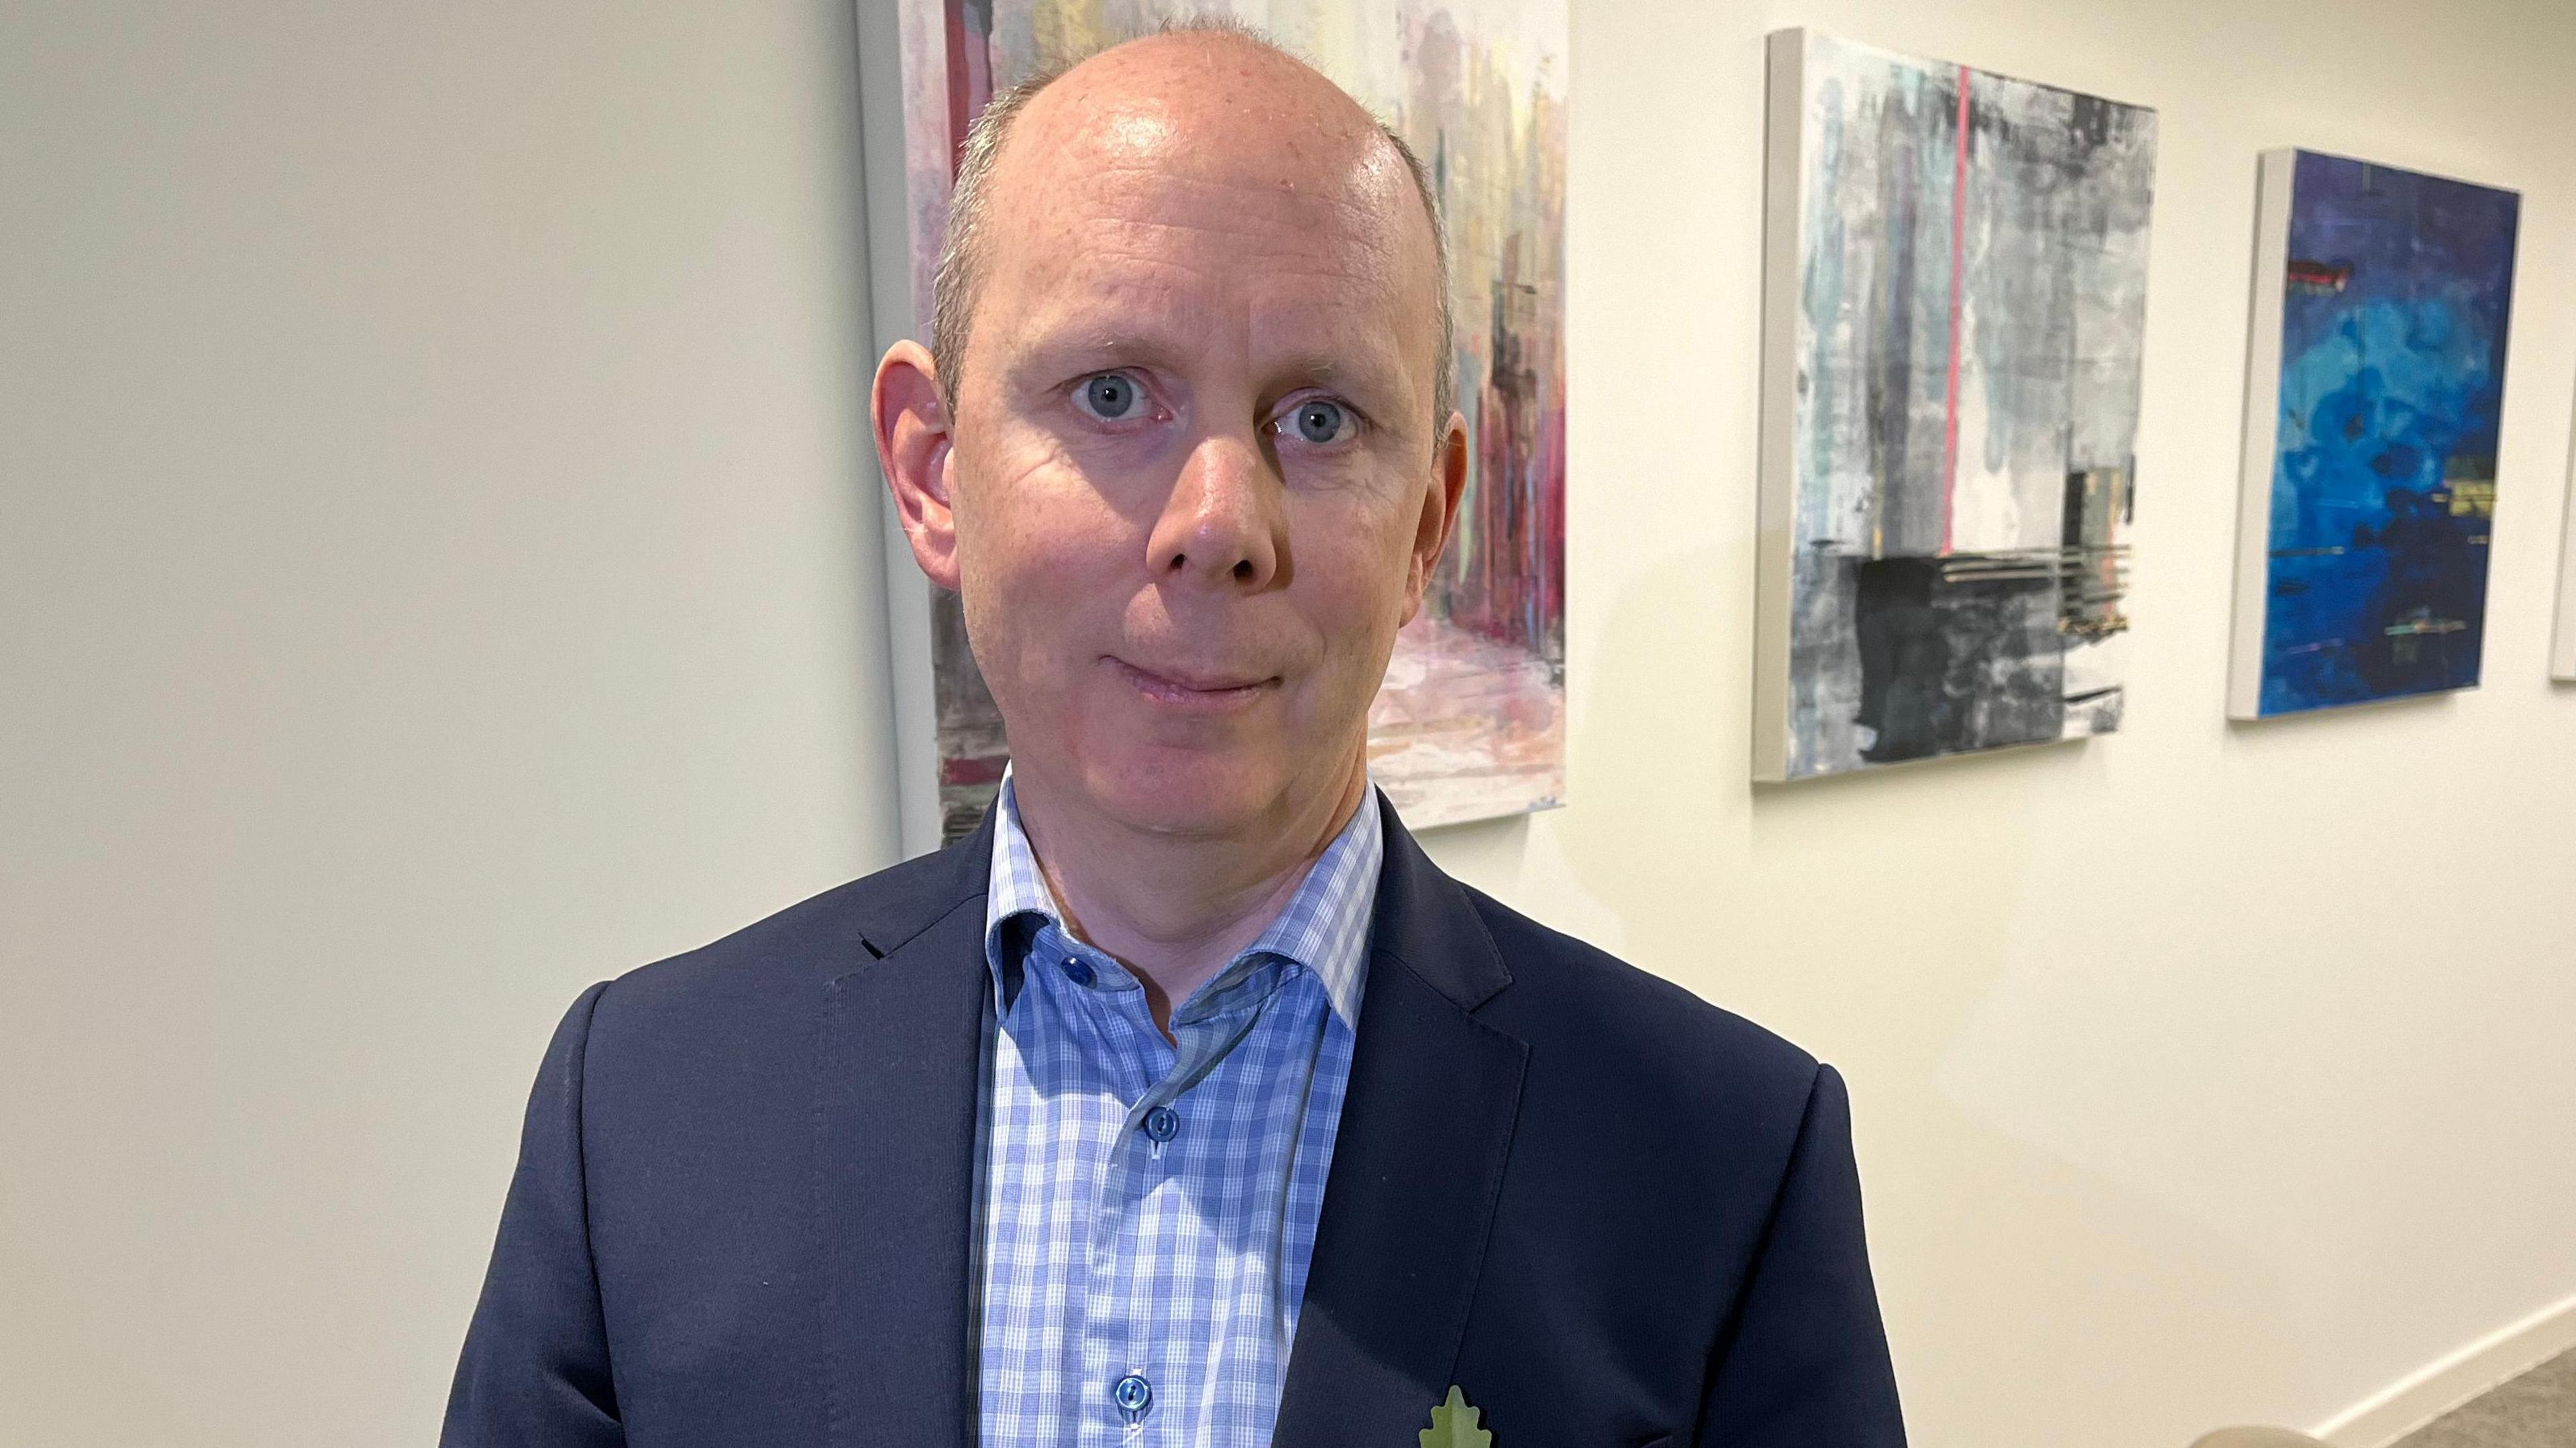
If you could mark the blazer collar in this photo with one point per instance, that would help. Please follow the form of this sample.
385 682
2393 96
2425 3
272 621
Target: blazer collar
1425 920
1417 1168
897 1097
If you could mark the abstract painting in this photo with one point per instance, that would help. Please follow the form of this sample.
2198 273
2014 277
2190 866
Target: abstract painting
1956 282
1470 723
2376 387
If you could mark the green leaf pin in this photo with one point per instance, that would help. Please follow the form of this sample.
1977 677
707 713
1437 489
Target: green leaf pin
1453 1425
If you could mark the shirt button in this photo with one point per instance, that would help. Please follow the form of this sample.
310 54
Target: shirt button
1162 1123
1133 1395
1080 970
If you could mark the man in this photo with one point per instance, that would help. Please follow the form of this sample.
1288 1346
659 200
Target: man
1187 1102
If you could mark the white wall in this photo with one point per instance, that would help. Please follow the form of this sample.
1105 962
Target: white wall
433 576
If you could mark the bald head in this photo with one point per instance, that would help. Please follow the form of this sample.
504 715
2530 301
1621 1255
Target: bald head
1205 105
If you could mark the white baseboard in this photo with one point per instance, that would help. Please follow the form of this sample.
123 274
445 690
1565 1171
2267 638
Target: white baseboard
2421 1396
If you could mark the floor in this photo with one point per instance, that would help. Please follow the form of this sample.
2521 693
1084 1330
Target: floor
2536 1410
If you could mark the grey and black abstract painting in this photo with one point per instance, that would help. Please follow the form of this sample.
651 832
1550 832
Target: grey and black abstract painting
1957 292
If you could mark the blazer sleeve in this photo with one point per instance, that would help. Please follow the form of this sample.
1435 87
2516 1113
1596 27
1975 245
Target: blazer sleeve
535 1367
1805 1363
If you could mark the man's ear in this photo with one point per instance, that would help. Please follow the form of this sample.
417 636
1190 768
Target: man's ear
913 447
1439 511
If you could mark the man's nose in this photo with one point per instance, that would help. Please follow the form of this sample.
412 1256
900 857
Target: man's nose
1225 524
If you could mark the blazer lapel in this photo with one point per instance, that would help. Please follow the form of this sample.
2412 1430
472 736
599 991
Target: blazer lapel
1417 1165
896 1096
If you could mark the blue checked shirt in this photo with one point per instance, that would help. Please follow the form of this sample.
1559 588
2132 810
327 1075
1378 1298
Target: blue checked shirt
1148 1210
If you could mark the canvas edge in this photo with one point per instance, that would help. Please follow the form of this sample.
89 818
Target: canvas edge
1419 818
2514 299
2423 170
1776 487
1910 58
890 306
2262 431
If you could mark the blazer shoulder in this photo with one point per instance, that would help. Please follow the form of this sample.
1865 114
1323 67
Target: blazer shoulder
799 949
1568 996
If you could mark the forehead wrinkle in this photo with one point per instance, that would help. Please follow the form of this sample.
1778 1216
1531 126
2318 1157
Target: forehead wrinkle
1130 283
1176 231
1115 252
1218 256
1234 204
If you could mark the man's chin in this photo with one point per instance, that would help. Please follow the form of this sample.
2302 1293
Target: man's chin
1188 792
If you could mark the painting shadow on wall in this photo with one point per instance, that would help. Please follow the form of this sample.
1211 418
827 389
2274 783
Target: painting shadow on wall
2367 709
2054 756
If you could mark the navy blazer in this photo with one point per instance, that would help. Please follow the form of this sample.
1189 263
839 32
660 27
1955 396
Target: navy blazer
1611 1213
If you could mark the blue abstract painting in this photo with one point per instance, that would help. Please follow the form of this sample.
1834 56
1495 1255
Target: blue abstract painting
2395 293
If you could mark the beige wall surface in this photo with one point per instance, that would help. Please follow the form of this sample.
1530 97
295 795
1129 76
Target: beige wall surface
434 575
436 572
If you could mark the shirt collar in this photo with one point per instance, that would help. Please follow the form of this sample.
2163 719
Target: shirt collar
1324 926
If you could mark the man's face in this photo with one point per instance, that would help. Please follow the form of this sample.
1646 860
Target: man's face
1193 468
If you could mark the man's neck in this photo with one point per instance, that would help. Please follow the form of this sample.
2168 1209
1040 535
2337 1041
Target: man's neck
1175 909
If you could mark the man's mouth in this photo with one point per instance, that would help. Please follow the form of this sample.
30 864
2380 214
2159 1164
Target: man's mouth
1195 691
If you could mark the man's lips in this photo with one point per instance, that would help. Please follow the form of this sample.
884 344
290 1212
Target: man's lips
1200 693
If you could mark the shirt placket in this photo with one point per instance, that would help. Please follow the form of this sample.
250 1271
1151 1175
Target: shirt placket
1113 1380
1136 1390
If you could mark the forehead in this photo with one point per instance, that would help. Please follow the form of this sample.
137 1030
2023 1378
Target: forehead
1298 213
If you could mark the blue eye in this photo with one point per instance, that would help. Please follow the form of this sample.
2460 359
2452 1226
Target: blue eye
1109 396
1320 421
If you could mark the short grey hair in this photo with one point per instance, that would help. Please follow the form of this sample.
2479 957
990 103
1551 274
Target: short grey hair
958 282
